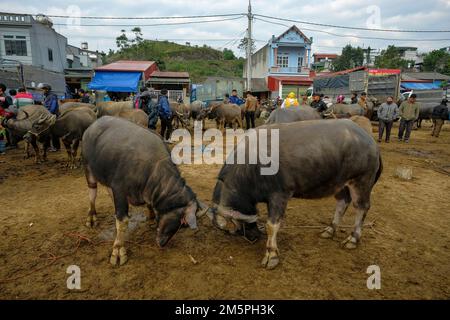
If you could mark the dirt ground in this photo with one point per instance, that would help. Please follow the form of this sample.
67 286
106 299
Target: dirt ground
42 232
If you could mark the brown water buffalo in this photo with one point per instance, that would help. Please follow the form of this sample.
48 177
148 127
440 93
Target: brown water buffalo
180 114
293 114
363 122
69 126
147 176
112 108
225 113
72 105
135 115
344 161
23 123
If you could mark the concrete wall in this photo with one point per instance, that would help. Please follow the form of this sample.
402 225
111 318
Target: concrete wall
260 63
44 38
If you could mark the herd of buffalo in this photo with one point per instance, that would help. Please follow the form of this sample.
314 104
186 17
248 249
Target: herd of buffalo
317 158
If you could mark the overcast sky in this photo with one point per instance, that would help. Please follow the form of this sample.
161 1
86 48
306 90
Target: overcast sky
386 14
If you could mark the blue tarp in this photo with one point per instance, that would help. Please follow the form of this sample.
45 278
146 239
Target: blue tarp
420 85
115 81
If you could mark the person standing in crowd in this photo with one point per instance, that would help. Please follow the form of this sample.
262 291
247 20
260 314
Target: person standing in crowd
3 137
340 99
290 101
152 111
318 103
250 108
165 115
387 113
51 103
354 98
235 98
408 112
84 96
304 101
5 111
439 115
23 98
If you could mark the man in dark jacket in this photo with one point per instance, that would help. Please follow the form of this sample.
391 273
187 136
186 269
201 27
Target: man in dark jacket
165 115
152 111
6 102
51 103
439 115
318 103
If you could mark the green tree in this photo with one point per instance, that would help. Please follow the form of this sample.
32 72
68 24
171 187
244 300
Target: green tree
349 58
437 60
137 35
122 40
243 45
391 58
228 54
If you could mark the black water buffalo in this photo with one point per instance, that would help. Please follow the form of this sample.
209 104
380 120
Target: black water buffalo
317 159
23 123
135 164
425 112
69 126
293 114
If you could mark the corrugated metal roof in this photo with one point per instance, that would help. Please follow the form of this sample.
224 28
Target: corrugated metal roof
169 74
424 76
127 65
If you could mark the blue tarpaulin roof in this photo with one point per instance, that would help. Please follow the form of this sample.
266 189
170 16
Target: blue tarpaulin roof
115 81
420 85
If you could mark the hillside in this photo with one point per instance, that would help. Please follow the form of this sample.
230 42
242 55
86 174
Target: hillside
200 62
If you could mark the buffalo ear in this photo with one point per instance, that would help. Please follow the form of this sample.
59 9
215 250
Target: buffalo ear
190 217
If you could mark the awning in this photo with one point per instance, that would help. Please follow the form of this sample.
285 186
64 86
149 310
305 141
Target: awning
115 81
420 86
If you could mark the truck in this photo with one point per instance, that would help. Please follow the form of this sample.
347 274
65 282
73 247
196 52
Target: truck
377 83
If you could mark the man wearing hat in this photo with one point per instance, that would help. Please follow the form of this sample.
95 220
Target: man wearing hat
439 115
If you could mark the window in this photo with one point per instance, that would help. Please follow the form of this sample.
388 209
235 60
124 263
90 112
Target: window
15 47
50 54
282 60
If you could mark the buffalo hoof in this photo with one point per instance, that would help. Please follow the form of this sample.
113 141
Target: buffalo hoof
119 257
350 243
91 222
327 233
270 260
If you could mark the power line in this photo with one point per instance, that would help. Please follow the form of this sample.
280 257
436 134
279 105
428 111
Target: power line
147 18
346 27
355 36
149 25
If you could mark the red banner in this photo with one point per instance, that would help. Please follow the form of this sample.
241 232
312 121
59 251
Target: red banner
382 72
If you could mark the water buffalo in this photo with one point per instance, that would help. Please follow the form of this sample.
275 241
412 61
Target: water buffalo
69 126
111 108
195 109
345 110
73 105
180 114
145 176
22 124
135 115
344 162
425 111
225 113
293 114
363 122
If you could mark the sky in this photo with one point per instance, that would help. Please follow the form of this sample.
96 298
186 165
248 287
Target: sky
385 14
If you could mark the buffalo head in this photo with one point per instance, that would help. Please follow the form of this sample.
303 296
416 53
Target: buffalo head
170 222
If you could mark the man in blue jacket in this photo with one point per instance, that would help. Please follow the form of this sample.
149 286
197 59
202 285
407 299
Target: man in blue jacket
235 99
165 114
51 103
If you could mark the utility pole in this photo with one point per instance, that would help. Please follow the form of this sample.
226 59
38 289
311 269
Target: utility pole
249 46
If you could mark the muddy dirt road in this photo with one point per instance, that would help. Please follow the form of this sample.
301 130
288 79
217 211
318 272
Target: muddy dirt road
42 232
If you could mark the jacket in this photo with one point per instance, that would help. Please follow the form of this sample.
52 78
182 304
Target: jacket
51 103
251 104
289 102
236 100
164 107
440 112
319 105
388 112
409 111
